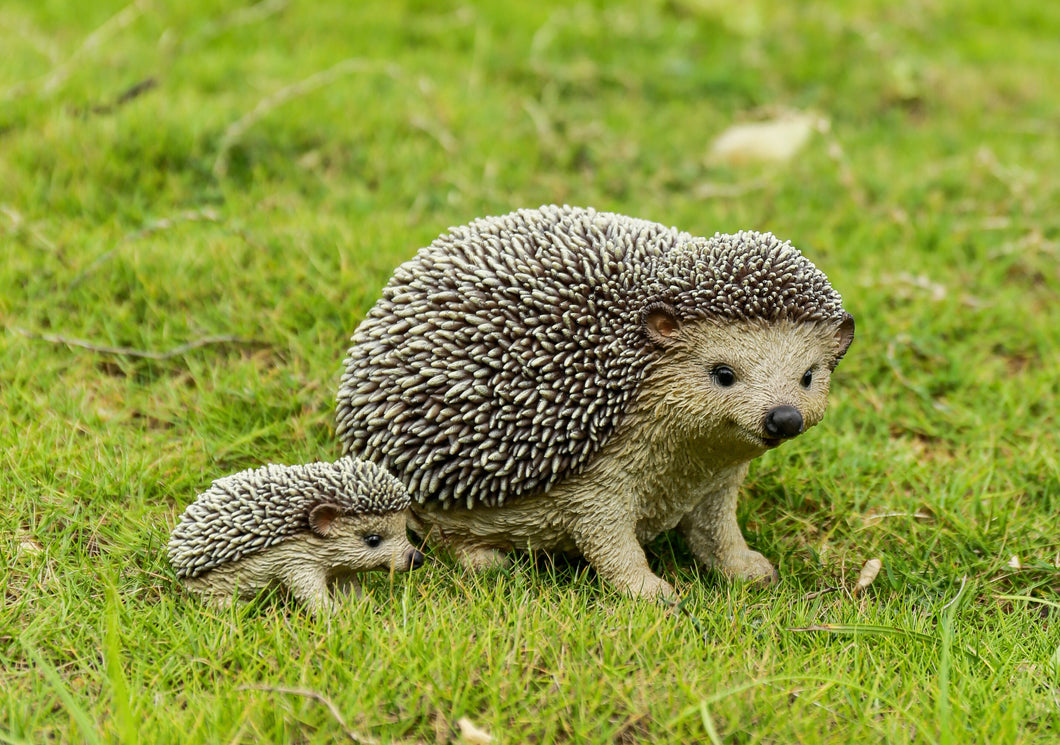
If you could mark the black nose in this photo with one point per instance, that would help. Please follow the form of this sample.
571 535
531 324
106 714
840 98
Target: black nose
415 559
783 421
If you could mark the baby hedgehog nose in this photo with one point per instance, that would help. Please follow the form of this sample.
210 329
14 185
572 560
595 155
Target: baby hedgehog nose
783 421
415 559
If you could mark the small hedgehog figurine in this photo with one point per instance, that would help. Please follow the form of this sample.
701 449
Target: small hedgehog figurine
579 381
303 527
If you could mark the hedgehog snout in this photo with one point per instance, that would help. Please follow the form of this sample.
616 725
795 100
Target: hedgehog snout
415 558
783 422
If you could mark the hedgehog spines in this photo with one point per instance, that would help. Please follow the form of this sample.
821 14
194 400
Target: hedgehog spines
502 356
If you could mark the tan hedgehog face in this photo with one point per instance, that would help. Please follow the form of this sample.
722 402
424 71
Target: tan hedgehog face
361 543
746 385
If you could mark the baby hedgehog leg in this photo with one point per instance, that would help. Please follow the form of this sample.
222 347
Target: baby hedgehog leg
309 584
346 584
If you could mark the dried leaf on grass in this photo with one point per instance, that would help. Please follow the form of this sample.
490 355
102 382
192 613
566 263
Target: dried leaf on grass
775 140
28 546
473 734
868 575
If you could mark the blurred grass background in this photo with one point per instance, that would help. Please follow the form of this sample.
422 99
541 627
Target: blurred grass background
236 181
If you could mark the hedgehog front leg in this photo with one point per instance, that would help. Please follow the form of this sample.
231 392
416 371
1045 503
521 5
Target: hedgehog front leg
617 556
347 584
308 584
715 538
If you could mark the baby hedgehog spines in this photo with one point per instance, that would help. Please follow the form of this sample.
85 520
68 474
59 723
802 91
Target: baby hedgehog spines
503 356
251 511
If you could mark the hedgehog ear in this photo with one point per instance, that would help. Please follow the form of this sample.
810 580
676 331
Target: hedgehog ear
321 518
661 325
844 335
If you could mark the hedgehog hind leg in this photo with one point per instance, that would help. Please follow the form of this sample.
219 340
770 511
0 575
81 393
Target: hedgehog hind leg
218 600
219 588
478 558
469 550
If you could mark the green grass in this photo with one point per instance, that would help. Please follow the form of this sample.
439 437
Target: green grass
197 209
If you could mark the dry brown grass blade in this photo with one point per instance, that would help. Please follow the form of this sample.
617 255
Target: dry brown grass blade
288 93
139 353
319 698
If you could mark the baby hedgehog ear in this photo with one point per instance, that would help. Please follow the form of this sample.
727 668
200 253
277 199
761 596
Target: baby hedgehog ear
661 325
321 517
844 335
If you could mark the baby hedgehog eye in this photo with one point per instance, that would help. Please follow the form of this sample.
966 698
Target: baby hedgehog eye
723 375
807 378
373 540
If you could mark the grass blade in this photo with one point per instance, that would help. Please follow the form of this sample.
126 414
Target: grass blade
1029 599
708 723
78 714
867 629
127 726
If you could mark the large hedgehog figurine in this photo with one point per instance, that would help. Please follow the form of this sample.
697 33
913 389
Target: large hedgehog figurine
307 528
579 381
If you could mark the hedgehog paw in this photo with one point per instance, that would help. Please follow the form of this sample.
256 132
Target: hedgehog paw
661 590
749 566
650 587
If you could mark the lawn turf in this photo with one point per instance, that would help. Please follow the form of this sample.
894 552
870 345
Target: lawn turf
199 202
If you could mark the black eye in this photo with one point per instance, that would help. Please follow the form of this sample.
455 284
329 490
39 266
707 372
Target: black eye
807 378
373 540
723 375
